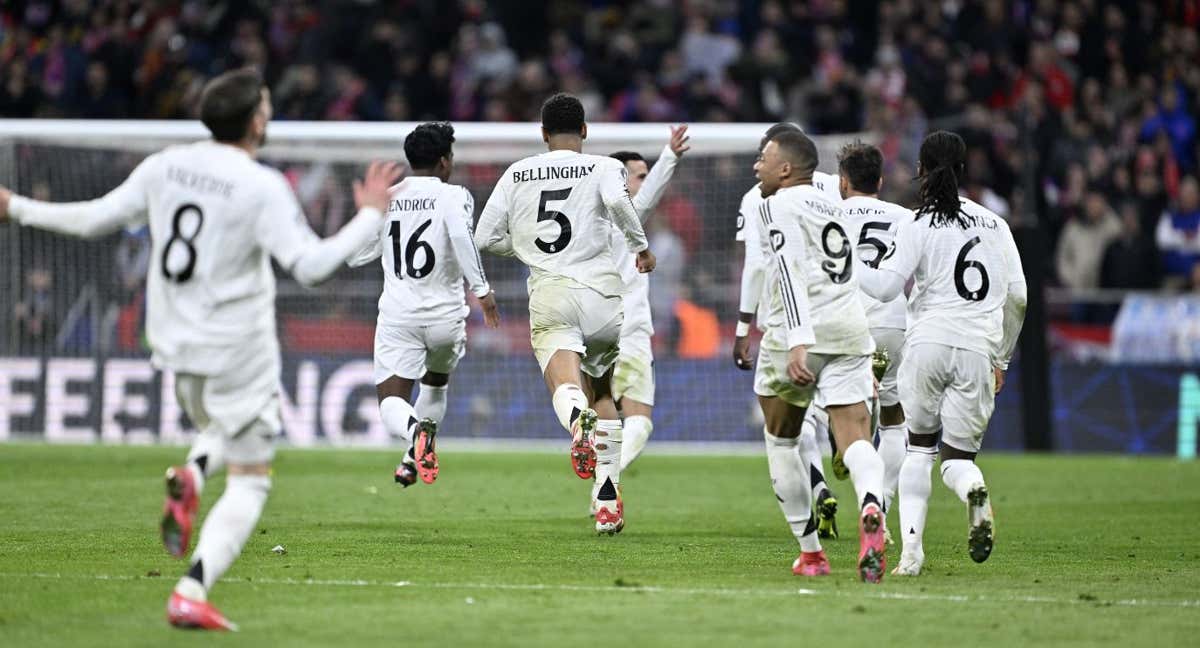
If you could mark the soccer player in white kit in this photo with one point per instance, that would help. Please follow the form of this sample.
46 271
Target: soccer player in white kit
872 225
760 295
555 212
426 249
216 219
633 375
965 313
820 350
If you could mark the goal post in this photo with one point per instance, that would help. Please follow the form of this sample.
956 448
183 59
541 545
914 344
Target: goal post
73 361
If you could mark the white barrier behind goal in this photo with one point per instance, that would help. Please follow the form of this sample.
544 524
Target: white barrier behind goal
73 362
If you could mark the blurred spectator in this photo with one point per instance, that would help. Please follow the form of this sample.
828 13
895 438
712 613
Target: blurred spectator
36 325
1131 260
1083 242
1178 233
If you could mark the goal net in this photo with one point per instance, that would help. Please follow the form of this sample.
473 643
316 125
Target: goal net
74 365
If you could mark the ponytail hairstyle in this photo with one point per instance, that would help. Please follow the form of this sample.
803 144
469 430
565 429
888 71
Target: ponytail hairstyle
943 161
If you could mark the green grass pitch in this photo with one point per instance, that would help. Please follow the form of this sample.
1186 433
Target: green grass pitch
500 553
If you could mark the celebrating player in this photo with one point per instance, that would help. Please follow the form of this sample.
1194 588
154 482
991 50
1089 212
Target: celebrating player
871 222
967 306
760 294
216 218
822 349
633 375
552 211
430 250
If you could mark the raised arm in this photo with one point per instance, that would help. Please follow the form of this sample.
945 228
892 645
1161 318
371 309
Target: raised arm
308 258
615 196
370 251
123 206
655 184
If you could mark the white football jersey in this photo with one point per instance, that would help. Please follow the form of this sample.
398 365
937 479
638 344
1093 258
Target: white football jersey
961 278
752 230
814 271
426 249
872 223
216 216
552 211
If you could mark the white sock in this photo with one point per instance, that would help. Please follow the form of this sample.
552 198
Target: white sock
637 433
915 487
789 478
892 442
399 417
431 402
817 420
810 456
866 470
569 402
609 439
206 457
224 533
960 475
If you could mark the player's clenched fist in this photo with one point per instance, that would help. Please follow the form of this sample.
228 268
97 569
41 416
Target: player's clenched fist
375 189
646 261
741 353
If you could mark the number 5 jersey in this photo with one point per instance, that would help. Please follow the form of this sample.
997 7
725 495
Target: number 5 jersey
427 250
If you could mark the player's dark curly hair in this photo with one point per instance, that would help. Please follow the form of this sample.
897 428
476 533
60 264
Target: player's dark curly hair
562 113
862 165
781 127
943 161
627 156
428 143
229 101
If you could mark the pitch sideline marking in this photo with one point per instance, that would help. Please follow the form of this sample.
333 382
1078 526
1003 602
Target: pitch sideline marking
650 589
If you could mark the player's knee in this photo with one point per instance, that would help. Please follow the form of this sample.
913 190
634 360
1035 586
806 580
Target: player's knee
891 414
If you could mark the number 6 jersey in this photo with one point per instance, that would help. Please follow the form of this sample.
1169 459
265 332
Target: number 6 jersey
962 279
814 260
426 249
552 211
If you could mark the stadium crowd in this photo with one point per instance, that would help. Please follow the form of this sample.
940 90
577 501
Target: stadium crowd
1103 93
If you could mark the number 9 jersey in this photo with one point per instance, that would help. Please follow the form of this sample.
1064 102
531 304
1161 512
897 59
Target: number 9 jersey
962 277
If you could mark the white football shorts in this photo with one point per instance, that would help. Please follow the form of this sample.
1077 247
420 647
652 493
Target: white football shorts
575 318
841 379
948 389
411 351
241 407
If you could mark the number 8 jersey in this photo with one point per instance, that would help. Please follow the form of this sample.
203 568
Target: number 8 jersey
552 210
814 260
426 249
961 278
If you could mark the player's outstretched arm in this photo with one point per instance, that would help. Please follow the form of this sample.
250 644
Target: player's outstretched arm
655 184
312 260
121 207
886 282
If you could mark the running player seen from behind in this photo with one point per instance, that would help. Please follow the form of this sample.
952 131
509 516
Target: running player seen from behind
871 222
633 376
216 218
426 249
966 310
820 351
554 212
760 295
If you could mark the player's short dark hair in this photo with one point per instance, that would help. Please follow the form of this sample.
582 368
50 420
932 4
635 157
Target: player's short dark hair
798 149
428 143
781 127
628 156
862 165
562 113
229 101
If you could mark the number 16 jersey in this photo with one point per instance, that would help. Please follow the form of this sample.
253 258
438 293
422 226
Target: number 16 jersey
427 250
552 211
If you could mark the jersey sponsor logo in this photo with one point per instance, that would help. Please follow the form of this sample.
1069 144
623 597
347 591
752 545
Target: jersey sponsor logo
201 182
412 204
554 173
